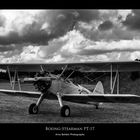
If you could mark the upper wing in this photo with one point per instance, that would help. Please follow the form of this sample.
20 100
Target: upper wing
86 67
107 66
110 98
22 67
21 93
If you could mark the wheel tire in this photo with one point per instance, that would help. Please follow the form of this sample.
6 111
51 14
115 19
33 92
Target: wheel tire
33 109
65 111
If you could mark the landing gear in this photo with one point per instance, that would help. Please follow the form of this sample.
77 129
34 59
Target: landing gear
33 109
65 111
43 87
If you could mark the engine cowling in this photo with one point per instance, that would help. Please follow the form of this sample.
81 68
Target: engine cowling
42 85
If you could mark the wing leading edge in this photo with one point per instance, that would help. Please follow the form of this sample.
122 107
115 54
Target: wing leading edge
82 98
21 93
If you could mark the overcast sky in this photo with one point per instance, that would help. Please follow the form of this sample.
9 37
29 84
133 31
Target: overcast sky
69 35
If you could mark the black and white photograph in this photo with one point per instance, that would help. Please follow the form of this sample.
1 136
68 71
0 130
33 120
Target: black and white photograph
69 66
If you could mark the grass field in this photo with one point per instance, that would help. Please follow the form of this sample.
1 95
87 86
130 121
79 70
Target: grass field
14 109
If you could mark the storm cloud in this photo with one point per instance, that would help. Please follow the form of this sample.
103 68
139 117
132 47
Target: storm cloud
46 26
68 35
105 25
132 20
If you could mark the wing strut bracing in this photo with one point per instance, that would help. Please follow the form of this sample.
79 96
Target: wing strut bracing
63 71
13 79
112 83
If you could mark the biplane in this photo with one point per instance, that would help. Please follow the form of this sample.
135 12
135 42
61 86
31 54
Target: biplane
56 87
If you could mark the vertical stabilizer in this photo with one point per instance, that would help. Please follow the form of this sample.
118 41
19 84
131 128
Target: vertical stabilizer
99 89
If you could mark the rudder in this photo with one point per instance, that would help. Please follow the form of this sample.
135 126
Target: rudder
99 89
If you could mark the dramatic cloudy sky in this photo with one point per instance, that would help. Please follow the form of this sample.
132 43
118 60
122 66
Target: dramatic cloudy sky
69 35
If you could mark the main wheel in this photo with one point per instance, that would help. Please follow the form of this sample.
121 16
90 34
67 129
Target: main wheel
33 109
65 111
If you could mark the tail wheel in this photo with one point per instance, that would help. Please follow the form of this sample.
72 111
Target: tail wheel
97 106
65 111
33 109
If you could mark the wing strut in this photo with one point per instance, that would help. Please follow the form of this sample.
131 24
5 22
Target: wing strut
13 79
118 83
10 77
19 85
70 75
112 83
111 78
63 71
41 68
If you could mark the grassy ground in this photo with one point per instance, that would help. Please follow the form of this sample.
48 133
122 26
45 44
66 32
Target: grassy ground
15 110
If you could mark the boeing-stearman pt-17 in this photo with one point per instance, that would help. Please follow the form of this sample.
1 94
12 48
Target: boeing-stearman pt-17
55 87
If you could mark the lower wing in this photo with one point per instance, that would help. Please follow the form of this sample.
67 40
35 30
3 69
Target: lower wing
82 98
108 98
21 93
